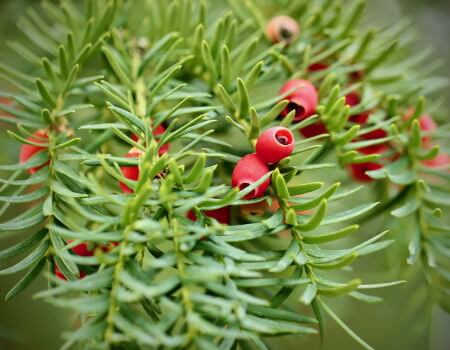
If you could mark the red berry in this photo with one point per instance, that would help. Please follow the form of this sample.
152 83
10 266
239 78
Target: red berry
358 171
82 249
130 172
282 29
61 276
442 160
159 130
247 171
353 99
314 130
28 151
374 135
357 75
317 67
275 144
222 215
427 124
58 273
303 99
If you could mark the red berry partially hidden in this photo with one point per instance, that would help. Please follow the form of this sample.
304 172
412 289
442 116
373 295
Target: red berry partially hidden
357 75
247 171
28 151
82 249
61 276
314 130
130 172
159 130
427 124
442 160
374 135
358 171
282 29
353 99
222 215
275 144
317 67
303 99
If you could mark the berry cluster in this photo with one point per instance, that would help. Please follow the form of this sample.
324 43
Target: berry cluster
272 146
303 99
132 172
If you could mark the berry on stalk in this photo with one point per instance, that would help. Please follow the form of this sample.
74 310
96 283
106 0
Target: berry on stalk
247 171
275 144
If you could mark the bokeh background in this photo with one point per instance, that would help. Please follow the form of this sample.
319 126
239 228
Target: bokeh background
406 320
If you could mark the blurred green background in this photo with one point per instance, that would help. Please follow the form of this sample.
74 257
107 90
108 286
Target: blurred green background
404 321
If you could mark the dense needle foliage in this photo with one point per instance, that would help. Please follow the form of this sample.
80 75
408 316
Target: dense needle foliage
161 273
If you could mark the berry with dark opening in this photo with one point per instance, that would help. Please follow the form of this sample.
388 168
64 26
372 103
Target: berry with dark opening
247 171
303 99
27 151
282 29
275 144
130 172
